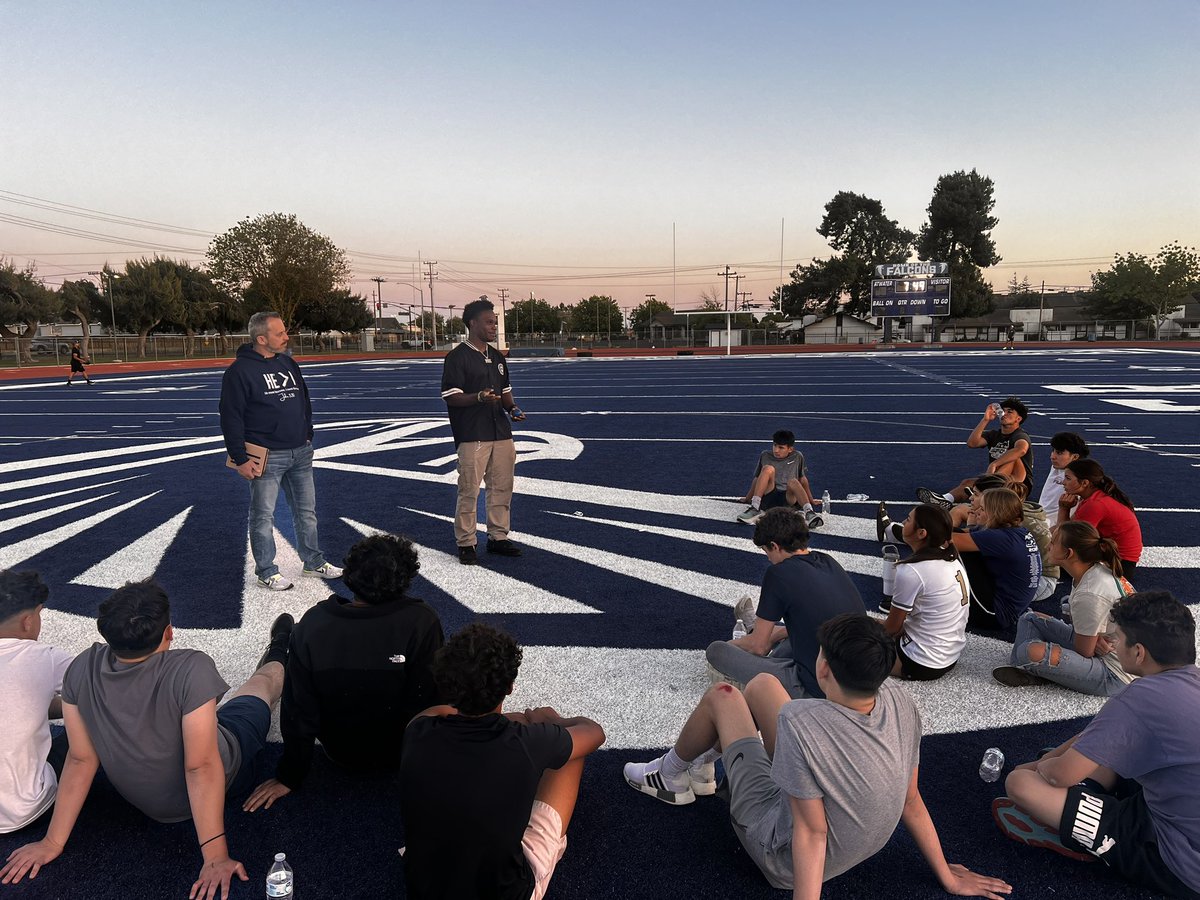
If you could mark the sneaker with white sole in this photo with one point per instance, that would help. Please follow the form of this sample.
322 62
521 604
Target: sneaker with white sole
933 498
704 778
750 516
813 519
325 570
275 583
648 778
746 611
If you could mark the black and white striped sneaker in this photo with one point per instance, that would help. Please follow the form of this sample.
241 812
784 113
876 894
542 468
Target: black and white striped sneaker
933 498
648 778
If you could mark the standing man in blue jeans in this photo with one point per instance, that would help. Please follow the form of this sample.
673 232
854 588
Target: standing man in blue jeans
264 401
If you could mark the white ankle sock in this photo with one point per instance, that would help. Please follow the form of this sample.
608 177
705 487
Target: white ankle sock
756 502
708 756
949 497
674 769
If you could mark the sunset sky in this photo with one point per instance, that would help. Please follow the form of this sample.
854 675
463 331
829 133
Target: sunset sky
569 149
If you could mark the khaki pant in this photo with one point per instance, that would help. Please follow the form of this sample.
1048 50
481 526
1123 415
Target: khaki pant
489 462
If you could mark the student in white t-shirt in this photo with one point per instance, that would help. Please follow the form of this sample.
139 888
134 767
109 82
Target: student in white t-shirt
1065 447
931 602
31 677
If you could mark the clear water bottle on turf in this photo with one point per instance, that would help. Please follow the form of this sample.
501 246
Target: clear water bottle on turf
279 879
739 629
826 505
992 765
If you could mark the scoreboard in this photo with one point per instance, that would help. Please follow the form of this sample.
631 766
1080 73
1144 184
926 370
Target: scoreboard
917 289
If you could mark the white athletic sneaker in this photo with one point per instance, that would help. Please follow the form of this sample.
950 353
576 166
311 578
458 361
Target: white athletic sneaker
751 515
744 609
647 778
704 778
325 570
275 583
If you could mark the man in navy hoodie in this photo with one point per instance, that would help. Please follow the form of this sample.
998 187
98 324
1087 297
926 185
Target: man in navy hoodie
264 401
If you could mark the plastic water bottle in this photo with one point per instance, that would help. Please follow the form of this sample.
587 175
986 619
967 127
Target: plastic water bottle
992 765
279 879
739 629
826 505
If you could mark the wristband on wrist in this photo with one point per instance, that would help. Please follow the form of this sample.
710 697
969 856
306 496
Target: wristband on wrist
211 839
479 397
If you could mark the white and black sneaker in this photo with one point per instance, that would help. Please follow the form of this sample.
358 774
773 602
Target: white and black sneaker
648 778
933 498
745 610
750 516
813 519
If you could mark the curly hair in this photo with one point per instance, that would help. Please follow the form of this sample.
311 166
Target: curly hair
380 568
476 668
783 526
133 618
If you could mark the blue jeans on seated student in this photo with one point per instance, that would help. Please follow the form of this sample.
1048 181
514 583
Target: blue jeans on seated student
293 470
1075 672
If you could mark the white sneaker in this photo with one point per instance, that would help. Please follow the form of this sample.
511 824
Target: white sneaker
325 570
750 516
647 778
704 778
275 583
745 609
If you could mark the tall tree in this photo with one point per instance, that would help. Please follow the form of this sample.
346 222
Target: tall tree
24 301
149 293
1141 287
959 232
82 301
531 316
1021 293
598 315
817 288
278 262
338 310
644 312
857 226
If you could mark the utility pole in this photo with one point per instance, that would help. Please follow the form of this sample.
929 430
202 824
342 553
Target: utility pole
650 298
502 335
742 302
1041 306
432 309
726 274
378 303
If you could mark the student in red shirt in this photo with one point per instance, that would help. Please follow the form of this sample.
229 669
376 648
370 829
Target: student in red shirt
1095 498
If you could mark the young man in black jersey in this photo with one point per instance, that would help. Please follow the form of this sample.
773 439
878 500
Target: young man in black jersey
477 392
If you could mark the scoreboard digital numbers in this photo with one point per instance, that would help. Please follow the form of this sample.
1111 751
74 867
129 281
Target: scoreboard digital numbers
911 289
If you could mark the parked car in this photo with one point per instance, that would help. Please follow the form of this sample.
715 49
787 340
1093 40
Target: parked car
46 345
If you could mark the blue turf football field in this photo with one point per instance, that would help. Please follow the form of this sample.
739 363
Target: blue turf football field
626 474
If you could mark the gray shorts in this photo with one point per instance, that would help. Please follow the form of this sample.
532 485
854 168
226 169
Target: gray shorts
741 665
754 796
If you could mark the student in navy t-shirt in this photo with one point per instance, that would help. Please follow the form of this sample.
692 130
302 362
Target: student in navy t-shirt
803 588
1124 789
1002 561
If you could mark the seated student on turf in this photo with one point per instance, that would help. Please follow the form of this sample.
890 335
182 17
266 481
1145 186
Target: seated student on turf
358 670
802 588
1078 655
824 787
931 599
1001 559
149 715
31 676
967 516
1009 452
1091 496
780 479
486 796
1124 789
1065 447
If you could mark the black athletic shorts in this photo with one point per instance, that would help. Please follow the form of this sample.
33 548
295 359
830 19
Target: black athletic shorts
914 671
1117 829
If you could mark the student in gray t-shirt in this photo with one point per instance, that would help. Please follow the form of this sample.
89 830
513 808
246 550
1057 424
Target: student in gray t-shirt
826 785
149 715
780 479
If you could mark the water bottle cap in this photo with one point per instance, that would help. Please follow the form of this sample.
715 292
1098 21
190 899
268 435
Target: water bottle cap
280 857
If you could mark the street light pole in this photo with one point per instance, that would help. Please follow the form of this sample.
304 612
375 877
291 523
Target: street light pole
112 310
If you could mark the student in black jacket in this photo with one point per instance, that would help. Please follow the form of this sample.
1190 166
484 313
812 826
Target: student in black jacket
358 670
